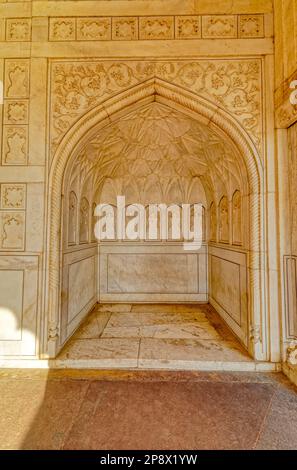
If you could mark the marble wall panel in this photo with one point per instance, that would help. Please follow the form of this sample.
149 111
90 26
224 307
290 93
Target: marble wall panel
79 287
146 273
18 305
228 288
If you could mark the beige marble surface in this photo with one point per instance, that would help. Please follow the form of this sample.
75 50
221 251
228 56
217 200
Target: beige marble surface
152 336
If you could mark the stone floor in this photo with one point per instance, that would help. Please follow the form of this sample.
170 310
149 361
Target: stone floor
155 337
147 410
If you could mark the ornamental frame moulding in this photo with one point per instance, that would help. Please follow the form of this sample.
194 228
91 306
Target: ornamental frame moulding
84 126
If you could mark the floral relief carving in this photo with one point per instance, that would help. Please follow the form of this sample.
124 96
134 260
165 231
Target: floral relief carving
13 196
187 27
251 26
220 26
12 231
16 112
18 29
16 79
62 29
90 29
125 28
156 27
232 84
15 145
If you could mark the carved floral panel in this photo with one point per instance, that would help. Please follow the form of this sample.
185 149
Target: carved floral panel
234 85
18 29
92 29
156 27
251 26
17 78
220 26
62 29
124 28
15 145
13 196
12 230
16 112
188 27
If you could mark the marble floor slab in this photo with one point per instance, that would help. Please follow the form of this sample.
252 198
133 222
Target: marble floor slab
117 409
156 336
105 352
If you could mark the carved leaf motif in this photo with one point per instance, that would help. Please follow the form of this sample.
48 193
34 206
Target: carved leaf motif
232 84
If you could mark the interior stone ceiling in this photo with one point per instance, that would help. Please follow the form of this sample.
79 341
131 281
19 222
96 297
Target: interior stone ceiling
158 154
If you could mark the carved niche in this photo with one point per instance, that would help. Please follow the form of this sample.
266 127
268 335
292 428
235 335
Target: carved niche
72 219
84 221
213 222
224 220
236 218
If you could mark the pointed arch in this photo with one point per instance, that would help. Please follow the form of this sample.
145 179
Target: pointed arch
200 109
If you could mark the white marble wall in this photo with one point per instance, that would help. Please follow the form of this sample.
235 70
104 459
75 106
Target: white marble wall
152 273
79 291
229 288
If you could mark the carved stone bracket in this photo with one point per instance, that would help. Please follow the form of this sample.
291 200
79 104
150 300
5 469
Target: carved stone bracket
292 353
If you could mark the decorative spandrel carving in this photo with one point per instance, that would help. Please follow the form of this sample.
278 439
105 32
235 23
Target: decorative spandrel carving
234 85
72 219
84 221
224 220
236 219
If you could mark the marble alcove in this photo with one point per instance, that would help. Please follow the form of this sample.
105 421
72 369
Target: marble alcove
153 152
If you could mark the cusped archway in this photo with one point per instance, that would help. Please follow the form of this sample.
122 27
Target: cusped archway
209 117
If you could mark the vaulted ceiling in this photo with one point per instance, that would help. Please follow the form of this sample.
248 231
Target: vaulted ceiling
158 154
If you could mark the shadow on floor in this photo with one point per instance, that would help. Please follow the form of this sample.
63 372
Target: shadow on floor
146 410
